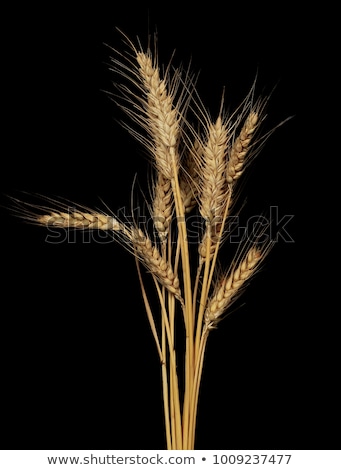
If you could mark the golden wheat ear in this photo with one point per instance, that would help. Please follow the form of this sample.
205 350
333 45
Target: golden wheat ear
62 213
155 262
230 285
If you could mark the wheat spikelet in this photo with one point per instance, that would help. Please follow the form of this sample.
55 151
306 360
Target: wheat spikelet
155 262
230 285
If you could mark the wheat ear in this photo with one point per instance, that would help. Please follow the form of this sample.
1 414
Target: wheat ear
241 147
227 288
163 205
161 116
64 214
213 185
79 220
154 261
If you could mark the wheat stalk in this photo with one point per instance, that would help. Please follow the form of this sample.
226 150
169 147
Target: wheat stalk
195 165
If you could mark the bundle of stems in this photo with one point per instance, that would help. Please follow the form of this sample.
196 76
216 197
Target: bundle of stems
197 163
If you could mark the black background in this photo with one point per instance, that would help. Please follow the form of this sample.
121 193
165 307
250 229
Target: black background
78 363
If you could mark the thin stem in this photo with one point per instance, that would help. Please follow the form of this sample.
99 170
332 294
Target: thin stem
188 312
201 335
171 312
149 311
172 370
166 407
204 291
162 354
215 255
196 386
171 305
208 273
196 285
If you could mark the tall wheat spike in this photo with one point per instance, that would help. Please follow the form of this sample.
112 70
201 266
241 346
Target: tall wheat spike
197 162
